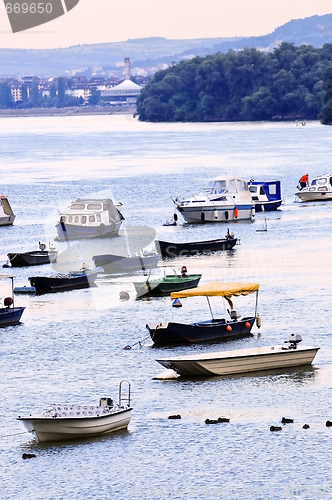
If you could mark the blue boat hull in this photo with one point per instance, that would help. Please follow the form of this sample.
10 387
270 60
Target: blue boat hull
10 316
45 284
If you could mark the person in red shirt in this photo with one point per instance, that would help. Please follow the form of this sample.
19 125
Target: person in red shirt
304 181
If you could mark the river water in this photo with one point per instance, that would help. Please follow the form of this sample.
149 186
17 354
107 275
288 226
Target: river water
69 346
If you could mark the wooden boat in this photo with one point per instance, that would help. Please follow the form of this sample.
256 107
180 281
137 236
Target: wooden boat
215 329
169 249
72 421
33 258
64 282
265 194
7 215
9 314
223 199
166 285
116 264
320 189
89 218
242 360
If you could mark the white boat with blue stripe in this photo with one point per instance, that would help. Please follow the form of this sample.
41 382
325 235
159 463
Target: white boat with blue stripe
223 199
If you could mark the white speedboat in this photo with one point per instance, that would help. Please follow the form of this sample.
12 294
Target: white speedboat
7 216
223 199
242 360
89 218
71 421
320 189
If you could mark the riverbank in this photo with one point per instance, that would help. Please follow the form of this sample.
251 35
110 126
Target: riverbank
70 111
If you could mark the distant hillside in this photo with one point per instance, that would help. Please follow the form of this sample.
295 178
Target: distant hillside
148 54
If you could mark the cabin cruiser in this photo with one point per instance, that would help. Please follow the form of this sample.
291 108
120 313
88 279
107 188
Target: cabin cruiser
265 194
7 216
223 199
89 218
320 189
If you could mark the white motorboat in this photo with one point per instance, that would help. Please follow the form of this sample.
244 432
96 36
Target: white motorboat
89 218
71 421
223 199
320 189
242 360
7 216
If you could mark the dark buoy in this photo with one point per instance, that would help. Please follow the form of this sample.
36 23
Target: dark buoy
28 455
285 420
274 428
124 295
328 423
306 426
174 417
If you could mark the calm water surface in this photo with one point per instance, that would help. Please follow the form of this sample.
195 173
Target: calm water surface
69 347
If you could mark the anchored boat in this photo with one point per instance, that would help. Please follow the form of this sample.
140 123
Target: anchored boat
265 194
223 199
9 314
214 329
71 421
320 189
7 215
89 218
242 360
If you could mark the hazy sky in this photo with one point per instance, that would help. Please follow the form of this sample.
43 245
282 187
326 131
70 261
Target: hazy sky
98 21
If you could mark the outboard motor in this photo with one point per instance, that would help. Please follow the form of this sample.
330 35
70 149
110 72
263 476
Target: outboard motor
293 340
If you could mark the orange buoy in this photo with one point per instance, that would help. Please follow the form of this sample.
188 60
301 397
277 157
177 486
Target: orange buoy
229 328
236 213
247 324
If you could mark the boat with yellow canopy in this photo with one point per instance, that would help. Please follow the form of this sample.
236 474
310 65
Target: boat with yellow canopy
215 329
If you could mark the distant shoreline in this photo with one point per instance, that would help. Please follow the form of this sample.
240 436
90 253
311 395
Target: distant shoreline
70 111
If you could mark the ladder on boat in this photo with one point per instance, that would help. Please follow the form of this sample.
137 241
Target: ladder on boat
124 393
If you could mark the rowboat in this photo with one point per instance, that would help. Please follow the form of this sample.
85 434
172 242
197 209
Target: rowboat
33 258
64 282
214 329
72 421
242 361
166 285
169 249
117 264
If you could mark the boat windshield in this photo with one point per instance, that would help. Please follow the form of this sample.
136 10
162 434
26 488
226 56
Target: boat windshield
215 187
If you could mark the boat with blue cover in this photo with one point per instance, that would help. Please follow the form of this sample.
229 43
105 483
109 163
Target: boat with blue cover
265 194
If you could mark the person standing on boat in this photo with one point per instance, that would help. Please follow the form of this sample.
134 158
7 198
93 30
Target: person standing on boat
304 181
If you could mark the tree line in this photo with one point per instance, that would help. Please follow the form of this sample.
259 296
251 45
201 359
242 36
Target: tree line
289 83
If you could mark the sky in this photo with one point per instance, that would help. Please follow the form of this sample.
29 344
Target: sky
102 21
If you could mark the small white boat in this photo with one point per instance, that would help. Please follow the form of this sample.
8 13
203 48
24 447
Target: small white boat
89 218
242 360
71 421
7 216
320 189
223 199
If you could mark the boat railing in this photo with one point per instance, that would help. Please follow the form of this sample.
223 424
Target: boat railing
124 393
